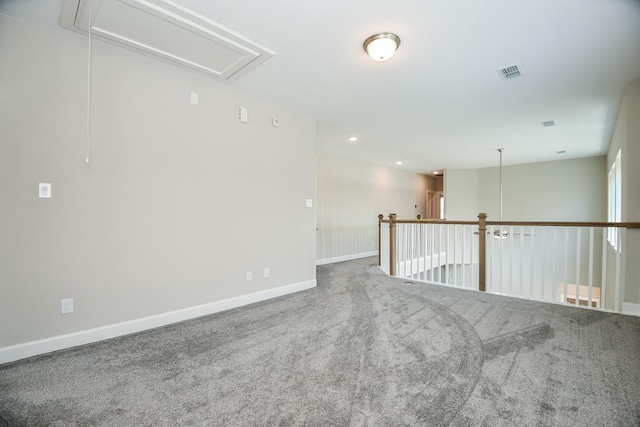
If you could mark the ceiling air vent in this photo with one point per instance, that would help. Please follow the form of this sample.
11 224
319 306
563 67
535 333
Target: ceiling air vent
548 123
510 72
166 31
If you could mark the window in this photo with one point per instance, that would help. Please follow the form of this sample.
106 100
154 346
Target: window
614 211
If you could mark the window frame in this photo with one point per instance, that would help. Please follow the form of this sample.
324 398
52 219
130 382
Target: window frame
614 200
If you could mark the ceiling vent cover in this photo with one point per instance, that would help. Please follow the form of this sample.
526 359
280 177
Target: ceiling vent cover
510 72
167 31
548 123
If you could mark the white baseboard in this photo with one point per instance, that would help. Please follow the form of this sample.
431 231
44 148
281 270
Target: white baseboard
34 348
346 258
631 308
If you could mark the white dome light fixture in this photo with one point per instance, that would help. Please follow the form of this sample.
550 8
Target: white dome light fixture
381 46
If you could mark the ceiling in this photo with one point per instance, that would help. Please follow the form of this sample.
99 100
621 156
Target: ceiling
439 103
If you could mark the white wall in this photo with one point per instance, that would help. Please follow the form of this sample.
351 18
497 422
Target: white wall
178 203
351 194
563 190
626 138
461 194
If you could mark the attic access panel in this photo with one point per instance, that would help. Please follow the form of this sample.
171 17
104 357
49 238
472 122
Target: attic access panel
167 31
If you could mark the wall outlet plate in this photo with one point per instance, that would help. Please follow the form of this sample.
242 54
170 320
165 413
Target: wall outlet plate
66 306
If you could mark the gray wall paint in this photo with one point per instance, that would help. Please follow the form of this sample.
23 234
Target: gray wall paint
178 203
351 195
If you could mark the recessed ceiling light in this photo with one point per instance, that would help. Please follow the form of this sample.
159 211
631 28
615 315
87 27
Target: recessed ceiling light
353 139
398 162
435 172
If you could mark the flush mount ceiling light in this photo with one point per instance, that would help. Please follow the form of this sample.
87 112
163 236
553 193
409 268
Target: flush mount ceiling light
353 139
381 46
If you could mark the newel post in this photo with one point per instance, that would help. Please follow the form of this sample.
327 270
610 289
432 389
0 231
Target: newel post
380 217
482 234
392 244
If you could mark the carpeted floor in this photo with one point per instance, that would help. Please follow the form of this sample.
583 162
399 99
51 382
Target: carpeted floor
360 349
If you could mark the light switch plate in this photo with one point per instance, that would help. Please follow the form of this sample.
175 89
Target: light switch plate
309 203
44 190
243 115
194 98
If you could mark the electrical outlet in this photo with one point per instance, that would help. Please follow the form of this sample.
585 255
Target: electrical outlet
66 306
267 273
249 275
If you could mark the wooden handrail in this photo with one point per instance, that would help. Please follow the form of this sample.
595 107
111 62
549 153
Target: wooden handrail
482 227
519 223
565 224
430 221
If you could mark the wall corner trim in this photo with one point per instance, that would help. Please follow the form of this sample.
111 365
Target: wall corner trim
631 308
61 342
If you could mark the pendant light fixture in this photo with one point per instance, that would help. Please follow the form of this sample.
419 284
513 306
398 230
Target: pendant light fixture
381 46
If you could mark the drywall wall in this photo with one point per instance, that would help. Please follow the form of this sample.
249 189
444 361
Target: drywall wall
177 204
626 139
351 194
461 194
563 190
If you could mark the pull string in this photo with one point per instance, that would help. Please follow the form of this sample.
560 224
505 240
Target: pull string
500 150
88 158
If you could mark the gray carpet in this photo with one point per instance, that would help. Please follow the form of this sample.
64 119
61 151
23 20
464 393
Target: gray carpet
360 349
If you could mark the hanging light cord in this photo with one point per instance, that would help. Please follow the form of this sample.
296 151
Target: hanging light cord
500 150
